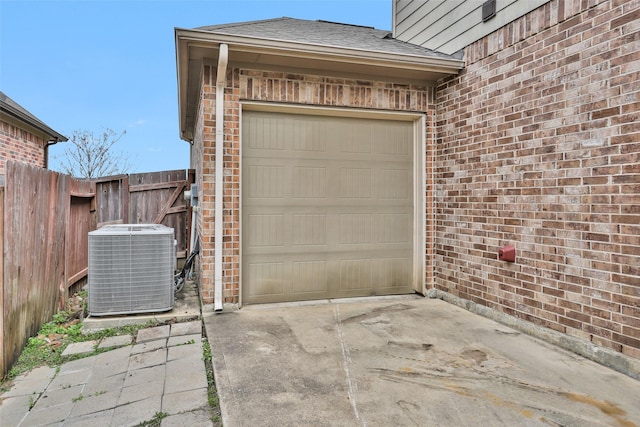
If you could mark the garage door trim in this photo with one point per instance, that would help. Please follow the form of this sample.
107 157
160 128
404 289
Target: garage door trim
419 172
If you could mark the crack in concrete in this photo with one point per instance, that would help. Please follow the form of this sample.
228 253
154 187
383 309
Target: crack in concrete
346 361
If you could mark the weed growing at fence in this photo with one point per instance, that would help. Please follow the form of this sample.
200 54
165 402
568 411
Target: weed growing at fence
60 325
47 346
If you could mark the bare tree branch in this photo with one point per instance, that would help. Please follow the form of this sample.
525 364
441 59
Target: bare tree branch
91 156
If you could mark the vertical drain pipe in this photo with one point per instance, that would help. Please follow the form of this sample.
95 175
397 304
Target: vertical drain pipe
223 58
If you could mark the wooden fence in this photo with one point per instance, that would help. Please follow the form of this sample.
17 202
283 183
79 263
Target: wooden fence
37 234
46 218
147 198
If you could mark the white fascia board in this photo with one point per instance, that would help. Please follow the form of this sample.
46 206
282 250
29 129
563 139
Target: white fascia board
321 52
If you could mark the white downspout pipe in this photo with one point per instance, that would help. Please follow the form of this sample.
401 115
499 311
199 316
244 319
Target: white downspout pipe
223 58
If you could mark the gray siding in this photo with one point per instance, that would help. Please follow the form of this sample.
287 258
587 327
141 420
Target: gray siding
449 25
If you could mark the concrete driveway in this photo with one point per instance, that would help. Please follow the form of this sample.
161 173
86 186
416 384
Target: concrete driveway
400 361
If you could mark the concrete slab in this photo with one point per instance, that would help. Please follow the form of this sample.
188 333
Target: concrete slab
47 416
77 365
30 383
152 334
143 376
185 374
184 339
148 359
141 391
14 409
111 363
185 351
149 346
186 307
93 403
102 418
57 397
199 418
69 379
43 373
137 412
185 401
403 361
104 384
79 348
186 328
116 341
56 424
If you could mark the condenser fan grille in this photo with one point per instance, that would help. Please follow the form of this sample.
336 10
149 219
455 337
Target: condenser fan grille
131 269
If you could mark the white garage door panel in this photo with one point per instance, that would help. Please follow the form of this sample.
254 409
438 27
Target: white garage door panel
327 207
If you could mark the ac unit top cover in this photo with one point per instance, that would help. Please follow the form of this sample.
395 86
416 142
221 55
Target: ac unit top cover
124 229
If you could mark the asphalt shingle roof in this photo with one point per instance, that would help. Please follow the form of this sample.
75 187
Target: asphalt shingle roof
9 106
324 33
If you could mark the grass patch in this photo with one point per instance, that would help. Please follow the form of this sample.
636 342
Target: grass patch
155 421
212 392
46 348
206 351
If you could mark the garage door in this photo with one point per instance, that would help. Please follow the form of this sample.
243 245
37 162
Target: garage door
327 207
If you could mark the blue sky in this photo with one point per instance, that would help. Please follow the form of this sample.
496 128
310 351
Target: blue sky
92 65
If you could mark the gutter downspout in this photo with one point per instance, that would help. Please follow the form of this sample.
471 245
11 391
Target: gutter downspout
223 58
46 151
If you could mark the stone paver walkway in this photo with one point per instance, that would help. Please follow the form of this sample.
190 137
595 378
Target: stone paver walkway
163 372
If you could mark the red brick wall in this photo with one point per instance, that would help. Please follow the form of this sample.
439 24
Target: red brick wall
538 146
20 145
196 161
279 87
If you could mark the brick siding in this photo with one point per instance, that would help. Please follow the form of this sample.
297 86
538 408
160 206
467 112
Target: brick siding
20 145
243 85
538 146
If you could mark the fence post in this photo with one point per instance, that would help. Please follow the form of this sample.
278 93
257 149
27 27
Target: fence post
125 197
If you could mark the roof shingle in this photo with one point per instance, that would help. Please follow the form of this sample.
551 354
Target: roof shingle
324 33
11 107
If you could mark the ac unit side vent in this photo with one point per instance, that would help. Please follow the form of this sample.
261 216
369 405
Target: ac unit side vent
131 269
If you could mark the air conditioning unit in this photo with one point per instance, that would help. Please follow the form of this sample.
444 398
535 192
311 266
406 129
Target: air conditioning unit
131 269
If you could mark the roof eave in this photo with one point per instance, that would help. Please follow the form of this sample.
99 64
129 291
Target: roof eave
247 43
51 136
186 38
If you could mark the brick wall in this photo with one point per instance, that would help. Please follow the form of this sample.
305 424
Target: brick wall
20 145
196 162
242 84
538 146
